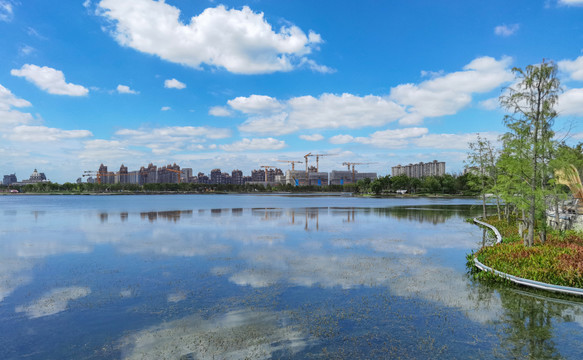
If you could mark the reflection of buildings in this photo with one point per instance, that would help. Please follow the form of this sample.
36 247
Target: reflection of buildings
435 168
174 216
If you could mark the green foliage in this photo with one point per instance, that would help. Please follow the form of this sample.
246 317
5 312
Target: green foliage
558 261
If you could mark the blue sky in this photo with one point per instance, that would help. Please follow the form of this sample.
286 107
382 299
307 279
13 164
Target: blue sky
236 85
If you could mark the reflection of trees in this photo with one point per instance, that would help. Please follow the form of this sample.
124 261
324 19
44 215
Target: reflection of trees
528 325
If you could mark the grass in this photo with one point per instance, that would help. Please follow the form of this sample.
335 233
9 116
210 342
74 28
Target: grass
558 261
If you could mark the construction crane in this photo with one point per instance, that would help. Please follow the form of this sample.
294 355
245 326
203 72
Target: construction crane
97 174
176 171
267 167
306 160
292 162
353 164
318 159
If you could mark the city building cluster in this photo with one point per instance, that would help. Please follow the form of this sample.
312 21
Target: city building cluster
34 178
268 175
434 168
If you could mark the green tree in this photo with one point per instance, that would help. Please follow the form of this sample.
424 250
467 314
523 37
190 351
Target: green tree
531 102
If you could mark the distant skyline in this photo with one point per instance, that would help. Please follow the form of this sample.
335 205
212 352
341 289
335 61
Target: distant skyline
236 85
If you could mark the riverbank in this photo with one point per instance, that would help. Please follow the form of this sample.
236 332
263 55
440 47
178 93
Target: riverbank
559 261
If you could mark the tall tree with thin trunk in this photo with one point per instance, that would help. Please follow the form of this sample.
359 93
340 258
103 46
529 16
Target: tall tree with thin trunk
482 163
532 102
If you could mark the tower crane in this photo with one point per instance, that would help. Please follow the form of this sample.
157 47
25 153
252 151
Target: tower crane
306 160
98 174
353 164
176 171
267 167
318 159
292 162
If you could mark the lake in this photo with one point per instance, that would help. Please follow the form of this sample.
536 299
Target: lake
260 277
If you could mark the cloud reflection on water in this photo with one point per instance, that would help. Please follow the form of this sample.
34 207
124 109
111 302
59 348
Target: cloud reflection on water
53 302
233 335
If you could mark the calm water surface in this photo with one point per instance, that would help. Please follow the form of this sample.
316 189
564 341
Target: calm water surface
259 277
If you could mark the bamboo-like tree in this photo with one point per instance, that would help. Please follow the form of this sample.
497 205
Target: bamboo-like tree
531 101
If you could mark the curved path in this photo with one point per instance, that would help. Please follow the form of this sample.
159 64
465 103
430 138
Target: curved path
522 281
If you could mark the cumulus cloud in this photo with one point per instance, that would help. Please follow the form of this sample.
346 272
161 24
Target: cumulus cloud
174 84
6 11
219 111
443 94
49 80
124 89
240 41
329 111
571 102
447 94
170 139
389 139
419 137
255 144
256 104
165 108
10 117
506 30
574 68
53 302
452 141
313 137
27 133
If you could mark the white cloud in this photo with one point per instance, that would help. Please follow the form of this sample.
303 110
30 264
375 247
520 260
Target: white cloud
8 116
241 41
174 84
506 30
490 104
53 302
124 89
165 108
329 111
6 11
33 134
256 104
391 139
452 141
313 137
8 100
447 94
170 139
219 111
26 50
50 80
571 102
341 139
443 94
571 2
254 144
574 68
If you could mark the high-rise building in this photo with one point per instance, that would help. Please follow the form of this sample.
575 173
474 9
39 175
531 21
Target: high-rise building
237 177
434 168
9 179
